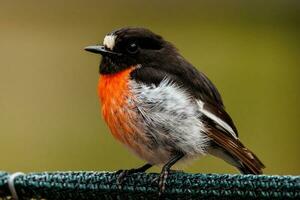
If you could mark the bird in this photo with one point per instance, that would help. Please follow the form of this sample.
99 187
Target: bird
161 107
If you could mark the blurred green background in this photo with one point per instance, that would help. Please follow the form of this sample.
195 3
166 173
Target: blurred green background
49 111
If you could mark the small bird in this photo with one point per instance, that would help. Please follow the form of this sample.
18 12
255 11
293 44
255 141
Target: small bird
161 107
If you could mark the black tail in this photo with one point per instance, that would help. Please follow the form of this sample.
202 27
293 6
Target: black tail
235 153
246 164
252 166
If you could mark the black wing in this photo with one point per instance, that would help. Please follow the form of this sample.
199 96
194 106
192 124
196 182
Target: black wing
219 124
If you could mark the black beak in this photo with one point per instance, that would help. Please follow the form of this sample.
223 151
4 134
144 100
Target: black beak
101 50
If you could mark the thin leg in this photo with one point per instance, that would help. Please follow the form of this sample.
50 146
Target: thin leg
166 170
123 173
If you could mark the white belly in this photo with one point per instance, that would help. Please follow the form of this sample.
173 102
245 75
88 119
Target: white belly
171 120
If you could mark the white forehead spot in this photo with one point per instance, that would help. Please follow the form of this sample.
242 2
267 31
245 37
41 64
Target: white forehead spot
109 41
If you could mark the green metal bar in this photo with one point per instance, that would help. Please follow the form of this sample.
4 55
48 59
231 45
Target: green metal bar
102 185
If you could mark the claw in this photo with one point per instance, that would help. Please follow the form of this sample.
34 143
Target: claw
121 178
155 180
122 174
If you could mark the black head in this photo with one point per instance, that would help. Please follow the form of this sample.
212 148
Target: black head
128 47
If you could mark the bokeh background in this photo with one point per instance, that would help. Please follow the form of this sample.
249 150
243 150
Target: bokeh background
49 111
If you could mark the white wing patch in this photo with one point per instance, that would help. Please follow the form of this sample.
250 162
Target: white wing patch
216 119
109 41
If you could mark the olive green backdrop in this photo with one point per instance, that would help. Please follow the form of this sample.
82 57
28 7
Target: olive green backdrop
49 111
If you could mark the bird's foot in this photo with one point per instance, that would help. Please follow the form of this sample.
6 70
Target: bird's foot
165 172
162 181
122 174
171 171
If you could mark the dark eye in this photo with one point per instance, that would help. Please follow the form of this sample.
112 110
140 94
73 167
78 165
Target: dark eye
132 48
